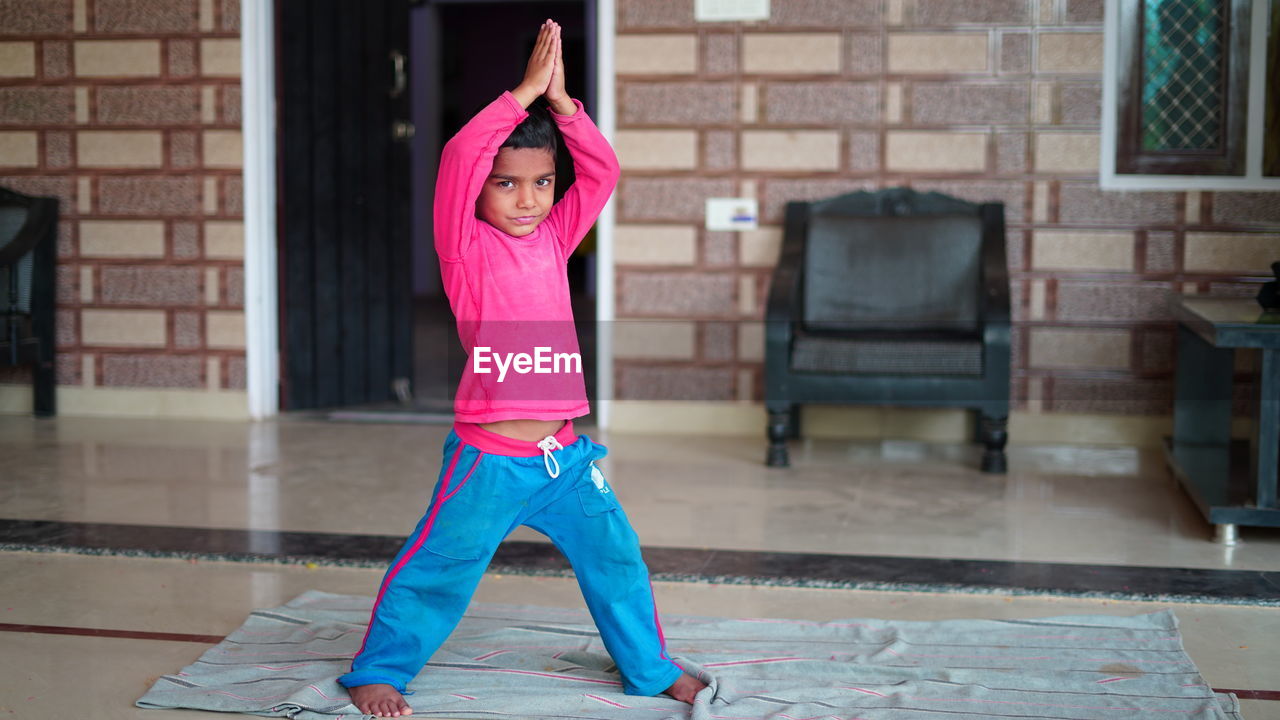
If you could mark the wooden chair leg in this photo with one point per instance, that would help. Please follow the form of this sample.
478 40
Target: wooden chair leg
995 433
779 430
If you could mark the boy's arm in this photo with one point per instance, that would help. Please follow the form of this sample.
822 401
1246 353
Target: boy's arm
596 172
465 163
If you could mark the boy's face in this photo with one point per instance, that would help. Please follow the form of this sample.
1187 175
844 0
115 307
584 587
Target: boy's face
519 191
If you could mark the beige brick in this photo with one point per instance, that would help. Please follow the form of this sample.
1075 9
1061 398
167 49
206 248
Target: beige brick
210 195
759 248
654 339
123 328
82 105
80 16
1037 300
212 291
937 52
746 385
89 369
791 150
751 341
657 149
220 57
655 244
1082 250
1067 152
19 149
86 284
17 59
1080 349
1042 103
84 194
1070 52
927 150
1246 253
894 12
747 294
122 238
208 104
749 110
224 329
1048 12
223 148
213 374
893 102
117 58
1193 207
206 15
224 240
120 148
655 54
1040 202
779 53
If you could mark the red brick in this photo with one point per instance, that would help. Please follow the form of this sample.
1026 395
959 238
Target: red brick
148 105
1236 289
777 193
719 341
864 151
865 54
182 58
1085 202
1160 256
66 239
1084 11
167 286
123 195
233 189
1246 208
57 59
57 150
719 54
1012 193
1015 52
670 198
824 14
822 103
721 150
1011 153
675 293
1015 249
678 103
67 369
184 152
983 12
1156 356
68 284
166 371
42 106
229 15
187 332
655 13
35 17
145 16
186 240
67 332
974 103
15 374
1103 301
1112 397
1082 104
719 248
234 373
60 187
231 104
235 286
639 382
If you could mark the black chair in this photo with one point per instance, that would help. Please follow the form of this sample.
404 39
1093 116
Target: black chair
890 298
28 255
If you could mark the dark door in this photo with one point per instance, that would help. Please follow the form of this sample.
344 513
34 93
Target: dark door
344 208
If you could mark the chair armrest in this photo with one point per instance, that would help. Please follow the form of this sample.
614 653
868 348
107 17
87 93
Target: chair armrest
994 304
783 305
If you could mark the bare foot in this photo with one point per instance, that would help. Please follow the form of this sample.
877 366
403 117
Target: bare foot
381 700
685 688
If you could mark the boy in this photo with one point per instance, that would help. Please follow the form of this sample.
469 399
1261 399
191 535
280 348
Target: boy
512 457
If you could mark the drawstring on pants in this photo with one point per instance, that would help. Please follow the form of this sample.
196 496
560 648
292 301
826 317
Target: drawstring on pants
546 445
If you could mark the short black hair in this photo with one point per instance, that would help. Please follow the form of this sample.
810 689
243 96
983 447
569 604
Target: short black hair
536 131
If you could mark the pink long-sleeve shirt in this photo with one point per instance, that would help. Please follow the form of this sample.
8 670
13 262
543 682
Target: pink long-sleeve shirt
510 294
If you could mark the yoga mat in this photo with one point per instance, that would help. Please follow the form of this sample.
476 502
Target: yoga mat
534 662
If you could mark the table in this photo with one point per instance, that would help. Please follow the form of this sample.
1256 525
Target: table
1231 486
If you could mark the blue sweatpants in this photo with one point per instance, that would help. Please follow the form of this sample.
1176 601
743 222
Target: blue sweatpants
480 498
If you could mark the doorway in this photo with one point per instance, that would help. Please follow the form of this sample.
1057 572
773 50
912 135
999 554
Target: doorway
463 54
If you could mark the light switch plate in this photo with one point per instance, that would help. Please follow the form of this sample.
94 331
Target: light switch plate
732 213
730 10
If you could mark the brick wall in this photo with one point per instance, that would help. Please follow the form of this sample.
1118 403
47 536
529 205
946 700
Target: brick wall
982 99
129 112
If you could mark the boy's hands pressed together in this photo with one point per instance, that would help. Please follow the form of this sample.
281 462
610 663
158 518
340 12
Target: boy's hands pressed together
544 74
542 63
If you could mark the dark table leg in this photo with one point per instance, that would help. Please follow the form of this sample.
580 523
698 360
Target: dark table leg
1202 423
1266 430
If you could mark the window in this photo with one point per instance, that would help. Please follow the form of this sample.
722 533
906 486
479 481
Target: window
1189 94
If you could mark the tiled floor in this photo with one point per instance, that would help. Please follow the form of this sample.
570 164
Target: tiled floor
1061 513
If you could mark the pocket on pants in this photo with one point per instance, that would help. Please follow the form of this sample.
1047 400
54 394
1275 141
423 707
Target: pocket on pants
594 492
460 529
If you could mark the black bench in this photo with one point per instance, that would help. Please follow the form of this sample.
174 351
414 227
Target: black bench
28 256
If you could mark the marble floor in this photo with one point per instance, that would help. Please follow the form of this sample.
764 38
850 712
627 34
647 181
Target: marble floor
119 536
